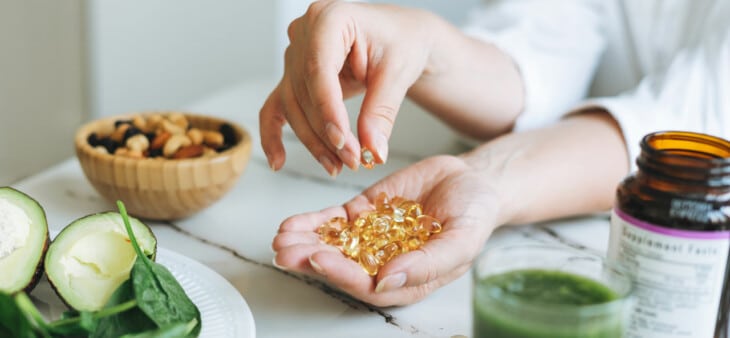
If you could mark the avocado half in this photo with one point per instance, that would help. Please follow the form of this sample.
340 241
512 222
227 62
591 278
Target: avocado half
23 241
92 256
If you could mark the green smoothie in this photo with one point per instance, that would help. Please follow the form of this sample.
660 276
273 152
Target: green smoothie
535 303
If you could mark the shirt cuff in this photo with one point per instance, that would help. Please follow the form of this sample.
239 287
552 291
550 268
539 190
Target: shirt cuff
634 116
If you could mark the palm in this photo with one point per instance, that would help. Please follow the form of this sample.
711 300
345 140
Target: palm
448 191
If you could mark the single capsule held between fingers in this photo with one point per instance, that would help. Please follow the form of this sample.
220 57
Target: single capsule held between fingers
367 158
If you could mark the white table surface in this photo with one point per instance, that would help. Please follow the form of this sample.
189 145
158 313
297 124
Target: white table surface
233 237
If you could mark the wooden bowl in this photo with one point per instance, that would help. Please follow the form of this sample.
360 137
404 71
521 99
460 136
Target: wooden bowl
159 188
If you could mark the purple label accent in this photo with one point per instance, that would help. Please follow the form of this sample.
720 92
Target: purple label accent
672 232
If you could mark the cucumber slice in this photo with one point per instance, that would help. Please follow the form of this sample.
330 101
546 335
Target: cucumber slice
92 256
23 241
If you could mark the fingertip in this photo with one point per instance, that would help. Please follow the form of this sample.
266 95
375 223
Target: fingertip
276 265
331 165
350 156
335 136
391 282
380 146
316 266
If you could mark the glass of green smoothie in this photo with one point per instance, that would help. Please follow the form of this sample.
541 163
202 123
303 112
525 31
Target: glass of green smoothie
541 290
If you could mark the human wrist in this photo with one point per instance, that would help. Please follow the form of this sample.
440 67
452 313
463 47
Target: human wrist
489 163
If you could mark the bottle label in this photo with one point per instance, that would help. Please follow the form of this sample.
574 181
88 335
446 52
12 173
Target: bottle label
678 276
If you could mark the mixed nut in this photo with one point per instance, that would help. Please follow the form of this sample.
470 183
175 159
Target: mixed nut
162 136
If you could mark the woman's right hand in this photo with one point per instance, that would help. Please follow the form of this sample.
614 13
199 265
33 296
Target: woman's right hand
338 49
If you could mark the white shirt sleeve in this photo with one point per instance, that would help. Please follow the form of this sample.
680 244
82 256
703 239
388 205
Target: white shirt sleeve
692 94
556 45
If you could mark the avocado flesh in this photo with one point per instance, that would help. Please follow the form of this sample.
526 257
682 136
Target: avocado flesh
92 256
23 241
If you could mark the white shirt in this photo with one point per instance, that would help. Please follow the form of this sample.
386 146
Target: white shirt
653 64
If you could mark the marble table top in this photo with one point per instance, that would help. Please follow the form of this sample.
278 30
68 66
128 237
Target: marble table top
233 237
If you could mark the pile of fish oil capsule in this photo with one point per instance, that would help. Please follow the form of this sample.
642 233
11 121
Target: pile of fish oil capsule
396 226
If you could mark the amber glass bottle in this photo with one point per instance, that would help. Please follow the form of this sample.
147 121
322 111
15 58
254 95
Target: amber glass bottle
671 229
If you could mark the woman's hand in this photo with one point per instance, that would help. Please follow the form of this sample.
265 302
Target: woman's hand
339 49
448 188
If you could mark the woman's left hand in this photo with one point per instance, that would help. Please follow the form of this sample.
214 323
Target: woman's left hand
448 189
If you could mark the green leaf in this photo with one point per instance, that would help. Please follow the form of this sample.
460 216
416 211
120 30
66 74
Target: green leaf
132 320
13 322
158 293
161 297
31 314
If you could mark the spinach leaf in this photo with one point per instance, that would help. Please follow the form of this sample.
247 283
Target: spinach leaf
31 314
131 320
158 293
13 322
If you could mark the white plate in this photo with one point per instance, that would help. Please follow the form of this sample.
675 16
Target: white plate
223 311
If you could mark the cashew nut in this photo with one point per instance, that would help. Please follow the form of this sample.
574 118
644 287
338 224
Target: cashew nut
138 142
174 143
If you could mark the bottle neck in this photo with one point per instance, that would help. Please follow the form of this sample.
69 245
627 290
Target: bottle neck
687 162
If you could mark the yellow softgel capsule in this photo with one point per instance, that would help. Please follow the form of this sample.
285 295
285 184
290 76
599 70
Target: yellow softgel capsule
369 262
396 226
382 203
367 158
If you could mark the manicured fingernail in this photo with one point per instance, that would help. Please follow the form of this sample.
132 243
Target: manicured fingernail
317 268
328 165
273 262
349 158
391 282
381 147
271 165
337 138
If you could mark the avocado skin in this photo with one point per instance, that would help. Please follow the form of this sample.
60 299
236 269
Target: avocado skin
39 271
39 268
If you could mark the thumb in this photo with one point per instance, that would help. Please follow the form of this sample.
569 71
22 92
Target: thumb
439 258
383 98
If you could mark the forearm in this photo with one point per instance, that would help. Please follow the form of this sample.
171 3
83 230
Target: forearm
570 168
469 84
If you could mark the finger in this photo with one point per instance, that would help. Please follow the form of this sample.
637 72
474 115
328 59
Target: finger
345 273
313 115
271 122
385 92
311 221
296 257
285 239
410 295
329 115
306 135
437 258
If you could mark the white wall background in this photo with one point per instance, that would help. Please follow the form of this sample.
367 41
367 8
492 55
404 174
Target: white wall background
42 87
66 61
167 53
